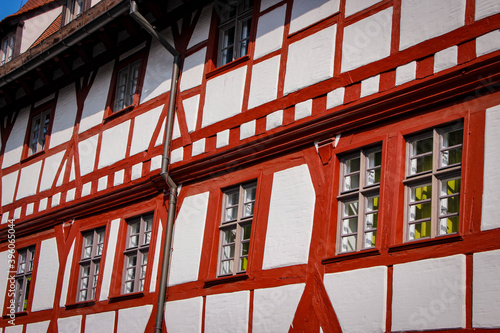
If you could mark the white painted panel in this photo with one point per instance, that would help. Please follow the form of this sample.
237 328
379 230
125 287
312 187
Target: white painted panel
176 155
35 26
64 116
187 242
270 32
264 84
191 111
46 276
445 59
274 308
157 79
429 294
134 319
100 322
491 193
114 144
159 247
485 8
102 183
67 276
274 120
300 70
109 259
202 28
431 18
144 126
69 324
307 12
222 139
28 181
119 176
488 43
14 329
335 98
354 6
370 86
15 142
192 72
367 40
303 109
264 4
227 308
4 274
406 73
486 290
359 298
87 149
39 327
247 129
95 103
9 182
290 222
224 96
184 316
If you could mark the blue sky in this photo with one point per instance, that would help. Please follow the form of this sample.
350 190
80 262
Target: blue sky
8 7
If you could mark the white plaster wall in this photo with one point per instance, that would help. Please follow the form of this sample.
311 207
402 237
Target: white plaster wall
4 274
485 8
134 319
158 71
28 180
370 86
290 220
66 276
303 109
300 70
445 59
224 96
270 32
95 103
64 116
46 276
159 246
486 290
38 327
14 329
307 12
488 43
114 144
359 298
184 316
264 84
192 72
109 259
191 106
100 322
227 308
9 182
429 294
50 168
202 28
15 142
335 98
69 324
36 25
264 4
144 126
274 308
188 239
354 6
425 19
87 149
406 73
491 193
367 40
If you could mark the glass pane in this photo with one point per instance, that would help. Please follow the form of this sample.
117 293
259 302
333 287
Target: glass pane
232 199
421 164
231 214
227 55
350 209
130 274
131 261
351 182
349 226
352 165
228 252
371 221
448 225
349 243
27 292
247 229
244 248
147 238
420 211
419 193
226 267
374 159
144 258
453 138
99 249
452 156
420 230
450 205
370 238
422 146
244 264
373 177
248 211
129 286
250 194
135 228
83 295
450 186
133 241
229 236
228 37
84 283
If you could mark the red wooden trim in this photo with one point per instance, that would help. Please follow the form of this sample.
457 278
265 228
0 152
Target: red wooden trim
396 26
225 279
390 281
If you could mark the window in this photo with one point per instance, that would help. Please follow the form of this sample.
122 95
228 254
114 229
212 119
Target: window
359 200
7 49
39 130
136 252
25 261
235 228
74 8
433 170
90 261
234 30
126 85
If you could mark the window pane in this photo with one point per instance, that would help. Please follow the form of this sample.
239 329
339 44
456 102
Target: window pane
349 243
129 286
231 213
422 146
420 230
228 252
244 264
349 226
226 267
244 248
246 232
453 138
228 38
448 225
370 238
26 293
229 236
452 156
350 208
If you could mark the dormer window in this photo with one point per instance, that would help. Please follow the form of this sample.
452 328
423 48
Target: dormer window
75 8
7 50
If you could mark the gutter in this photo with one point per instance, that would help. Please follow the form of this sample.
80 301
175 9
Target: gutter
172 201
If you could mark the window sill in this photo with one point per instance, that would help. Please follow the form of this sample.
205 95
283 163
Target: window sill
125 297
78 305
425 242
113 115
225 279
16 314
227 66
351 255
33 156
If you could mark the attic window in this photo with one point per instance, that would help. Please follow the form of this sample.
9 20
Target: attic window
7 50
75 8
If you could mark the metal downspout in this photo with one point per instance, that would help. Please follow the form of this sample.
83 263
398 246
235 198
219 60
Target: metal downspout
172 201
